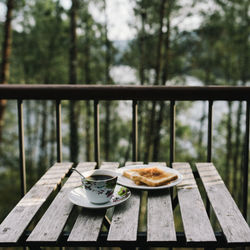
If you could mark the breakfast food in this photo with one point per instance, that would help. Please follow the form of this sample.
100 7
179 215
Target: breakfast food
151 176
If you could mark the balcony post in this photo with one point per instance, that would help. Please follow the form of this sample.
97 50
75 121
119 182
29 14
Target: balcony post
172 132
135 131
21 147
209 131
245 164
97 133
209 143
58 131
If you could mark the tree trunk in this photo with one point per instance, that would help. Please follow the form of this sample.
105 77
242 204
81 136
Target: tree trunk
74 144
244 71
141 43
52 136
165 76
108 81
157 136
237 152
158 65
201 156
42 163
30 144
6 51
87 129
87 81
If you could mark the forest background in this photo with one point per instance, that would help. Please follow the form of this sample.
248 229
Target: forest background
164 43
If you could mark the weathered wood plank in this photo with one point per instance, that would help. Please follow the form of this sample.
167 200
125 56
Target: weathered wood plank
125 219
158 164
49 230
128 163
160 218
88 223
19 218
159 227
87 226
232 223
109 165
196 223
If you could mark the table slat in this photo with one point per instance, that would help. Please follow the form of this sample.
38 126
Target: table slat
19 218
88 223
109 165
233 224
125 219
49 230
159 227
196 223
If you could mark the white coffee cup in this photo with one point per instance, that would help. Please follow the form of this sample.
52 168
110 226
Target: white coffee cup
99 185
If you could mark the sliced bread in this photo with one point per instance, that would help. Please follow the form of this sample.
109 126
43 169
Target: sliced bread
152 176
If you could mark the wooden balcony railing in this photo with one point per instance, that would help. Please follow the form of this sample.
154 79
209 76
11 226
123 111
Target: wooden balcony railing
135 94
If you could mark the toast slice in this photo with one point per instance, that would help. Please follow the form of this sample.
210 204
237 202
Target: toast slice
152 176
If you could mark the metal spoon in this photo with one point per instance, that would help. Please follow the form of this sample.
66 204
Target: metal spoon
78 172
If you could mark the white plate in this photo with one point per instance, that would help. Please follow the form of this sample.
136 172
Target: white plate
78 197
122 180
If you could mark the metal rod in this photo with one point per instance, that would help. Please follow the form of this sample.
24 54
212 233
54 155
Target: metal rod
135 131
58 131
140 242
209 143
245 164
209 131
172 132
21 147
97 133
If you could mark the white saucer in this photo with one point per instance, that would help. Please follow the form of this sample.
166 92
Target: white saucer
78 197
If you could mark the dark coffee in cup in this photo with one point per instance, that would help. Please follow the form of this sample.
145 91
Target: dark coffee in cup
99 177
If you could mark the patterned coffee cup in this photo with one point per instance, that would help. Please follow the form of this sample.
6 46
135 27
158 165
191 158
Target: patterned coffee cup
99 190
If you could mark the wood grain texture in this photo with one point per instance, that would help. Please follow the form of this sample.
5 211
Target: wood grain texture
163 164
52 223
160 219
195 220
128 163
89 222
159 227
109 165
232 223
124 222
19 218
125 219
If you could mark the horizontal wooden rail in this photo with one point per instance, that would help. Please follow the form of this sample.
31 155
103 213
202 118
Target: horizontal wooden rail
121 92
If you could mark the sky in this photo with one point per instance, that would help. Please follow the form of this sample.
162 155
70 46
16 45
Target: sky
120 14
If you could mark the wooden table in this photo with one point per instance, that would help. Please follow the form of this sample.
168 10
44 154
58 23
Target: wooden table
47 218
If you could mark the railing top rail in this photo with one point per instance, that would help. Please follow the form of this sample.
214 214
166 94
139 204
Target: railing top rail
123 92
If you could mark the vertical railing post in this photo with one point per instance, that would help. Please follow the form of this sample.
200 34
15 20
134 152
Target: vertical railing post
21 147
172 132
58 131
209 143
245 164
135 130
210 131
97 132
